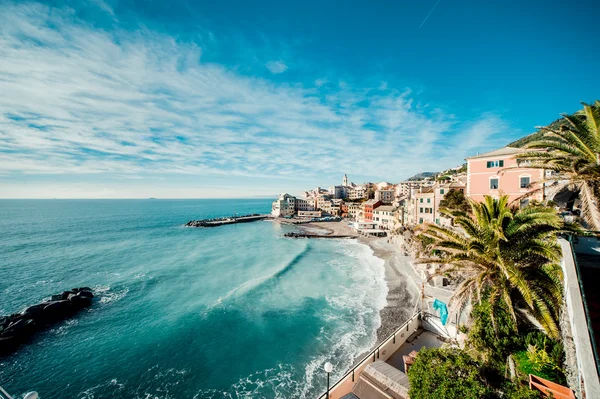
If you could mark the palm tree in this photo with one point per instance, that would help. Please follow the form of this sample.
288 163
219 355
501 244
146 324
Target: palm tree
512 254
572 148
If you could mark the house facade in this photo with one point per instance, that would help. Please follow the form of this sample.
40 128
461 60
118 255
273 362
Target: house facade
368 208
499 172
383 217
284 206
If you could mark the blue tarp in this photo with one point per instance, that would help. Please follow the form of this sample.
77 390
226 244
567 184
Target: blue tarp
441 306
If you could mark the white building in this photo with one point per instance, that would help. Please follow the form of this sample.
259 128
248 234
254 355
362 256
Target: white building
383 217
303 204
354 210
358 192
386 195
284 206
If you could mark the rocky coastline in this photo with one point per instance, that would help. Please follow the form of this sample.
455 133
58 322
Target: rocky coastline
18 328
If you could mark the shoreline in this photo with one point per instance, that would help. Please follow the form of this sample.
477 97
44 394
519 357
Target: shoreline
402 281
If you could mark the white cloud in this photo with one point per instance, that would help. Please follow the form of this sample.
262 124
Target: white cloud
78 100
276 67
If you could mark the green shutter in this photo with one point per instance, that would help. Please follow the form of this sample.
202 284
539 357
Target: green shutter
501 163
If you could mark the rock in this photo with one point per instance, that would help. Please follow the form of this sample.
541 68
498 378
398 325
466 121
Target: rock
35 309
15 329
85 294
80 301
57 310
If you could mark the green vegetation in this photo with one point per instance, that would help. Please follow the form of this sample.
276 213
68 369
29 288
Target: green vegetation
543 357
455 200
572 148
510 253
492 339
446 373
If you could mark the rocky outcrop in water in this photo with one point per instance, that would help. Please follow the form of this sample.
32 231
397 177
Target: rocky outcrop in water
18 328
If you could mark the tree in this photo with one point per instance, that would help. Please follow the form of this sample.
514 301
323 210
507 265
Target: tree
446 374
493 344
512 253
455 199
572 148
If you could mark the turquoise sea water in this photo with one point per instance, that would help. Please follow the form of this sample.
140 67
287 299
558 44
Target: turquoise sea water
229 312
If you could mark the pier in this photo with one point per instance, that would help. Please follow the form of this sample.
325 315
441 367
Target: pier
304 235
229 220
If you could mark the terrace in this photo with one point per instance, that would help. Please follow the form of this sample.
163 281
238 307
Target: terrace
382 373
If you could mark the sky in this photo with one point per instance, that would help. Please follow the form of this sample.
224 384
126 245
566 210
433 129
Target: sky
217 99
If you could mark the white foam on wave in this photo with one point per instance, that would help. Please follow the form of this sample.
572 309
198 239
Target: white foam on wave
251 284
364 298
279 382
64 328
165 379
106 295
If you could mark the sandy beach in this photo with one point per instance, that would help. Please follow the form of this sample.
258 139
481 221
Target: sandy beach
403 280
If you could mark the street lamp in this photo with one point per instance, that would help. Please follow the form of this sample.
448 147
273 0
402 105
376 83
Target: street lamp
328 369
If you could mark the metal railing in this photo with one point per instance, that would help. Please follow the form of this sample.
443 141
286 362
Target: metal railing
374 353
585 305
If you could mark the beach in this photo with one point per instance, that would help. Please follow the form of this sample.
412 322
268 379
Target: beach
403 281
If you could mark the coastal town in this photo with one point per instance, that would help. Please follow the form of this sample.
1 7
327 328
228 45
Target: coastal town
378 208
433 211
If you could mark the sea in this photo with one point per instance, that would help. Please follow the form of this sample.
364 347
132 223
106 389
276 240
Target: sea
235 311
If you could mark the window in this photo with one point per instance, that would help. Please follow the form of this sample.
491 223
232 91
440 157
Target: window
441 191
420 220
429 200
495 164
494 184
421 210
525 182
437 221
421 200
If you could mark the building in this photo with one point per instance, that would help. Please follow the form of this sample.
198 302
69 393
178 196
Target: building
424 206
322 201
386 195
498 173
368 208
309 214
303 204
344 209
355 210
338 192
284 206
383 217
356 193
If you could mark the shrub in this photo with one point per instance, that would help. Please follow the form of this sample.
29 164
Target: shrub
493 340
446 374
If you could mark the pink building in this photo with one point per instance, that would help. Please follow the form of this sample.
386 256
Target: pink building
497 173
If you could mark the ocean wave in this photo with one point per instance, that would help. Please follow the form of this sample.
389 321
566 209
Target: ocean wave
160 388
255 283
106 295
279 382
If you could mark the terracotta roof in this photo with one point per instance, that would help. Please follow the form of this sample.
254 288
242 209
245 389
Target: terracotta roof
498 153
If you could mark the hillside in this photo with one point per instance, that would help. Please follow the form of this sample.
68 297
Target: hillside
422 175
534 136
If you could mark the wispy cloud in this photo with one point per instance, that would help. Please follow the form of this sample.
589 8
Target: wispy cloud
430 12
276 67
80 100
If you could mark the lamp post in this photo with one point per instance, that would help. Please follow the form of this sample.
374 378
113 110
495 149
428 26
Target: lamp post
328 369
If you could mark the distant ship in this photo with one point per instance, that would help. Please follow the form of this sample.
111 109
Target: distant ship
151 198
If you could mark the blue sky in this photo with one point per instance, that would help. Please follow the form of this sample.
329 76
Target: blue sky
186 99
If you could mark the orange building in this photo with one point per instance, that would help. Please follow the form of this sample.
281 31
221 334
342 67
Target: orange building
368 208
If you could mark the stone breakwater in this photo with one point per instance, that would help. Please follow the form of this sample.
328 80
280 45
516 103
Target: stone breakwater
304 235
17 328
223 221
